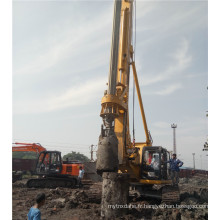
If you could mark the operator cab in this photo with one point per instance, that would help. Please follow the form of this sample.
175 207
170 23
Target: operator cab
153 166
49 162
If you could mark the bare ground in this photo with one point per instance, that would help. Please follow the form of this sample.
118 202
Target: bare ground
80 204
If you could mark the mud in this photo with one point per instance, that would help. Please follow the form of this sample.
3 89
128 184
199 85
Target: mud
85 203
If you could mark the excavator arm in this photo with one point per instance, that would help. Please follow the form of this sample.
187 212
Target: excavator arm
28 147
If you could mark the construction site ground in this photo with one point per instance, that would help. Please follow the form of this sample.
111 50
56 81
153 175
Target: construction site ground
85 203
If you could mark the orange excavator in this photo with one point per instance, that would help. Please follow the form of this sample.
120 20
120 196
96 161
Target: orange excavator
52 171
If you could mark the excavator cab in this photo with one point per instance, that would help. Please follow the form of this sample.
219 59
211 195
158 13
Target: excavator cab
49 162
153 166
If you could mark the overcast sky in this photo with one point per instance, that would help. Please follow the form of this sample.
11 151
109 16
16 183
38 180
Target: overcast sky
61 52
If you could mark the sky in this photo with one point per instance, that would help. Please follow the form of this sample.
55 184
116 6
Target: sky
60 57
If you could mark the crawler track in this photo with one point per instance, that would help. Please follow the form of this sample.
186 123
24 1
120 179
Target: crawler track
51 183
170 194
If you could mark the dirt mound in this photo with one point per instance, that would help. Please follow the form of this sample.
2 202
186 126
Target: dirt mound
20 184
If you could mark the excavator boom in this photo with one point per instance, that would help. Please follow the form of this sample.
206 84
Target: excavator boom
27 147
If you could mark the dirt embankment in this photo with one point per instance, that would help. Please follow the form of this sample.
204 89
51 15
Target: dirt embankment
80 204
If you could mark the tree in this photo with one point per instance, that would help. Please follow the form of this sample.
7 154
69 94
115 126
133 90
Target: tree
76 156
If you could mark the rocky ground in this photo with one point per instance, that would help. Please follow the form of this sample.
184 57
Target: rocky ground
80 204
